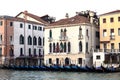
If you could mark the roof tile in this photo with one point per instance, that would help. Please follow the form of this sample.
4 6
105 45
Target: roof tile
73 20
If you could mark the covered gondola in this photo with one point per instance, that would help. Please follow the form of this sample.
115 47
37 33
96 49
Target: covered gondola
82 69
67 68
54 68
74 68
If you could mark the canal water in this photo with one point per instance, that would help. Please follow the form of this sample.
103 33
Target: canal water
44 75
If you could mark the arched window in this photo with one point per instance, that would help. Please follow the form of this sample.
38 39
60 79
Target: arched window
35 53
65 32
80 31
39 41
67 61
30 52
21 51
57 47
65 46
61 47
40 53
29 40
80 46
50 47
21 38
50 33
34 40
69 47
53 47
61 33
87 32
11 53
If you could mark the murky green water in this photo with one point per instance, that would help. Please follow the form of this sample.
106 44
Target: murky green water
44 75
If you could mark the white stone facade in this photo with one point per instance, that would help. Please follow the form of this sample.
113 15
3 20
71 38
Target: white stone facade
73 35
26 32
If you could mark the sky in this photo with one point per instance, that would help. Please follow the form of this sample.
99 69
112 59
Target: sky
57 8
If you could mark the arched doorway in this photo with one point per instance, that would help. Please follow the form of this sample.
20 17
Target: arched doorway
67 61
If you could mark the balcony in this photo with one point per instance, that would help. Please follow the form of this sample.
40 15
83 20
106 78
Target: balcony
50 39
63 38
39 46
80 37
112 37
108 51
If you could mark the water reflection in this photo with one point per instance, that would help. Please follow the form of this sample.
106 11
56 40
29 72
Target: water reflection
43 75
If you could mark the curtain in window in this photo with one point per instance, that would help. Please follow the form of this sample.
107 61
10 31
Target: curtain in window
61 47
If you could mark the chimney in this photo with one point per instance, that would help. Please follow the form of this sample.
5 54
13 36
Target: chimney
67 15
25 11
77 13
25 16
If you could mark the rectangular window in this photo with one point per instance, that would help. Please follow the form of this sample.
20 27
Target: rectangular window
11 38
0 51
43 29
0 37
104 47
112 32
119 47
11 23
98 57
119 31
29 26
50 61
1 23
104 20
21 25
35 27
40 28
111 19
118 18
86 47
104 32
97 34
79 60
112 45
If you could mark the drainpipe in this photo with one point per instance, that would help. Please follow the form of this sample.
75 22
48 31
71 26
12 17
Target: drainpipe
6 41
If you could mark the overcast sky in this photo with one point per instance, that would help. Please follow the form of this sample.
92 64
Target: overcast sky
57 8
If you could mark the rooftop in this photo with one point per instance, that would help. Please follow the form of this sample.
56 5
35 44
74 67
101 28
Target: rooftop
73 20
112 12
17 19
33 16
